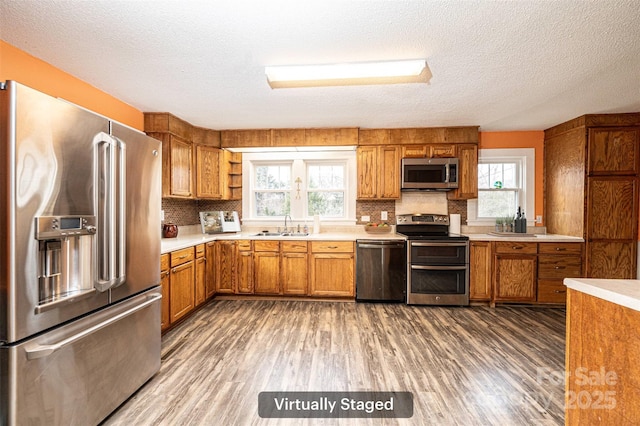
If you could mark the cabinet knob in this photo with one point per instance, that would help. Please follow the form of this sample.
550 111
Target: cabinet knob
560 249
560 291
516 248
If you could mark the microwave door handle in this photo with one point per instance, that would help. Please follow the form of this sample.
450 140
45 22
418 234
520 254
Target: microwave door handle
109 208
446 173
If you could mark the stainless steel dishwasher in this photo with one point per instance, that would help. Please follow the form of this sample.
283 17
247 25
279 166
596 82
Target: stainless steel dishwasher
381 270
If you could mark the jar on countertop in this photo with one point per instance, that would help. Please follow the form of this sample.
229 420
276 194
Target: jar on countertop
169 230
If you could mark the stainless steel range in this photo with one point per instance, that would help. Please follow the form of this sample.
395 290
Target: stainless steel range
437 261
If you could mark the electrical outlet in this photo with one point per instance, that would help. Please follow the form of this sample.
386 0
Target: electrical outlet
383 215
162 215
539 218
365 218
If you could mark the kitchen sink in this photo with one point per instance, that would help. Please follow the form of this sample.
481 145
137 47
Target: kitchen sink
281 234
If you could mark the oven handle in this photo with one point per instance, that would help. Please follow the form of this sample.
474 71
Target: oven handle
439 268
452 244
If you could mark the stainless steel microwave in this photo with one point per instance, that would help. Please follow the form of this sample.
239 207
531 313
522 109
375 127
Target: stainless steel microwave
436 174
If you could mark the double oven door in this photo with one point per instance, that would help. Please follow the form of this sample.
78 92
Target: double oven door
438 272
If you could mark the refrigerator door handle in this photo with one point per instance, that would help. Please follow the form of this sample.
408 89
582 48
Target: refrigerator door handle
40 351
110 166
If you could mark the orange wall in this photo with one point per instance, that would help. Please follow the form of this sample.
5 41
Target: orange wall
527 139
18 65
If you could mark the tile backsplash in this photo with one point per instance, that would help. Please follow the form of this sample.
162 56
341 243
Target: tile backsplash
185 212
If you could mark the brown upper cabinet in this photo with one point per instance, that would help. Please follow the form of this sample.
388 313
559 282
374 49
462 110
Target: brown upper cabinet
378 172
193 165
591 189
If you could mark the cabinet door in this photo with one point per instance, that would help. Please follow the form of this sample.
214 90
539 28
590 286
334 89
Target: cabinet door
442 151
165 316
388 172
181 163
210 283
414 151
266 272
515 278
480 270
245 272
612 208
226 273
467 173
182 298
614 150
611 259
200 281
332 275
367 172
208 161
294 273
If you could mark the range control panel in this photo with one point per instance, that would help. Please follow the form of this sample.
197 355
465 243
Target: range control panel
422 219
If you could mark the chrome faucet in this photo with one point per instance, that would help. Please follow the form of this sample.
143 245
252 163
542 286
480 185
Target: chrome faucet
285 222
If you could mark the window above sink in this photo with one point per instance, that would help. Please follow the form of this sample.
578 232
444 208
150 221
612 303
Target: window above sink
300 184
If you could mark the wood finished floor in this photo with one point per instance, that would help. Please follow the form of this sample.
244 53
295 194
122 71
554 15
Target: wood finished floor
465 366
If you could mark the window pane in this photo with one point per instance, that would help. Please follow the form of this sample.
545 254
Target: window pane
509 176
325 177
272 203
497 203
273 177
483 176
328 204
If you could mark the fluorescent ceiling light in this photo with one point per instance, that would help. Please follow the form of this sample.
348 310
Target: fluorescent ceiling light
363 73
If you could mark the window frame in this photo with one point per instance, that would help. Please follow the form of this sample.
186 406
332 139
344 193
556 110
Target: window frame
525 157
299 161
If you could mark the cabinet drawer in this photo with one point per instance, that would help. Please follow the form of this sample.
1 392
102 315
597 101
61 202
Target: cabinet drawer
515 247
244 245
164 262
200 250
179 257
293 246
552 291
268 245
332 246
560 248
559 266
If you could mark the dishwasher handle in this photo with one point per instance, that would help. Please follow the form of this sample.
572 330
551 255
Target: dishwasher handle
381 245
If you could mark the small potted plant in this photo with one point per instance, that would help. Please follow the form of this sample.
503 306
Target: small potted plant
499 224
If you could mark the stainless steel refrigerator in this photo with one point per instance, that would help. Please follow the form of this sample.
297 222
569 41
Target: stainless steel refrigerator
79 260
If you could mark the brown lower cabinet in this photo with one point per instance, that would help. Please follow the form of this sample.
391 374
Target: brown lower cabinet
181 284
285 267
515 272
332 269
164 284
294 267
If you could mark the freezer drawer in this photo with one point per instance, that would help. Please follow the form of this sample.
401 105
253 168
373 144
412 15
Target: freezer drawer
79 373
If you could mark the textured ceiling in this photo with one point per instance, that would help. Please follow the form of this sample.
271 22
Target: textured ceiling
502 65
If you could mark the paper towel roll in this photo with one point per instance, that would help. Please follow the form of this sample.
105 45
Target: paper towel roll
316 224
454 223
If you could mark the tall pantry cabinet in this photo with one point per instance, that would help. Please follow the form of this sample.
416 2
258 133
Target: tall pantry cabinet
592 166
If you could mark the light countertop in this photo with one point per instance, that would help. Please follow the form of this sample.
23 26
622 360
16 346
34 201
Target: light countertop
187 237
536 238
192 239
621 292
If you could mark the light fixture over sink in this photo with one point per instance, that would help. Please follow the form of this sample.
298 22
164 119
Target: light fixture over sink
348 74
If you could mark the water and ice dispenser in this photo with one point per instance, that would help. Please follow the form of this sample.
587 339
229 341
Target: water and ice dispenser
65 245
